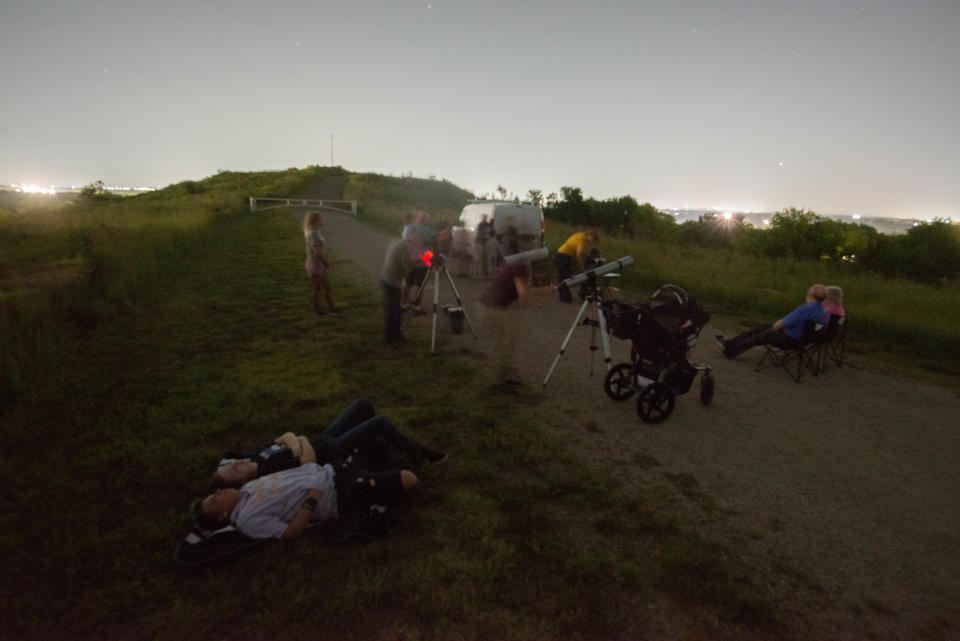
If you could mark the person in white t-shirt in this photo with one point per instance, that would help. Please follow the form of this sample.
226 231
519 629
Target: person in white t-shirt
282 505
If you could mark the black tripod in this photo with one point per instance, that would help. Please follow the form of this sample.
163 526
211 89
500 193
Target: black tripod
438 264
593 297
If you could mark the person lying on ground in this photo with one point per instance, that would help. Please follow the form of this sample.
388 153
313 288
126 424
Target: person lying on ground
282 505
358 425
786 333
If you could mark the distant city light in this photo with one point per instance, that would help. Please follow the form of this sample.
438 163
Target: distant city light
856 216
53 189
766 221
728 216
34 189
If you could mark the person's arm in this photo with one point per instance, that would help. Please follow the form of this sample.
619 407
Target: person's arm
290 440
778 324
301 520
580 251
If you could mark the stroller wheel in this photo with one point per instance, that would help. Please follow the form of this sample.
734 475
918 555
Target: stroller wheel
707 383
655 403
620 382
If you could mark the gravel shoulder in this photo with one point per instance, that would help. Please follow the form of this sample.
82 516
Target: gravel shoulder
842 491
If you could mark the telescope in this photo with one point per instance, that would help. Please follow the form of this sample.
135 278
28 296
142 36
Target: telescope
527 256
612 266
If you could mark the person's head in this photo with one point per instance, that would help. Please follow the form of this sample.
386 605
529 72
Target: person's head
816 293
213 511
313 220
834 295
592 237
235 473
418 214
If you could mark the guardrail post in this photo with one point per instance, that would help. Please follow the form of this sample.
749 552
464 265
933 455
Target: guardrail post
253 204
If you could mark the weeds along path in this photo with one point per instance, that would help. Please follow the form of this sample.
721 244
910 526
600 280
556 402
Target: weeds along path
840 490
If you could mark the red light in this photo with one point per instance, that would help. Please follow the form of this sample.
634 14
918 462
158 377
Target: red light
426 256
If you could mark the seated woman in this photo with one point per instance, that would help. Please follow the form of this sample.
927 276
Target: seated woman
834 301
358 425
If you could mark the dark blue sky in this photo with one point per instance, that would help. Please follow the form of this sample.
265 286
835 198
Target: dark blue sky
835 106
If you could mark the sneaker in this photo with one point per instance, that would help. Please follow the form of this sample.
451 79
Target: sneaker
419 311
433 456
721 343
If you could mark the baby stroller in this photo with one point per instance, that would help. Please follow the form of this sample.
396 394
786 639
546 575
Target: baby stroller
663 329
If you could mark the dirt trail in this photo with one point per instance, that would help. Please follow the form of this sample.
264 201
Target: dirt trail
842 490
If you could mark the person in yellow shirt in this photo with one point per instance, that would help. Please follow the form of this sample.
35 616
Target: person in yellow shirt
574 251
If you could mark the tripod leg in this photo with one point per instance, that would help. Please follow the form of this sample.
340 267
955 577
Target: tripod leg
456 294
436 304
604 336
563 347
420 288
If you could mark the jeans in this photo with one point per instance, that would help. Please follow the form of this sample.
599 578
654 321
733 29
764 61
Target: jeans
360 424
564 265
392 312
759 336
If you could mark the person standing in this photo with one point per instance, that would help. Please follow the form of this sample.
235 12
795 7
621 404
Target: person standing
479 247
574 251
318 262
401 254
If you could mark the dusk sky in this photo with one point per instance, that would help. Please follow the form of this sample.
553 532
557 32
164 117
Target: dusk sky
835 106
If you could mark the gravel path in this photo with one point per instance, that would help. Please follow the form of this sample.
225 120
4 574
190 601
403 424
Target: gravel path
842 491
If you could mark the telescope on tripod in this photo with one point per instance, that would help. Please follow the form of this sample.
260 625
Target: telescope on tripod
436 264
593 297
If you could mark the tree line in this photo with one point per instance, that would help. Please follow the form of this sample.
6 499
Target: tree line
928 252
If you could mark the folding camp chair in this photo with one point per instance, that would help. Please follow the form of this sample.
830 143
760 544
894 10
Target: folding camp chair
833 347
794 359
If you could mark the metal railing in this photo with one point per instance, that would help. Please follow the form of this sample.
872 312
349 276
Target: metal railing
346 206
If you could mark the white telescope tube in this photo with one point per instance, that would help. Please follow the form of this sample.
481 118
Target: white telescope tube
527 256
612 266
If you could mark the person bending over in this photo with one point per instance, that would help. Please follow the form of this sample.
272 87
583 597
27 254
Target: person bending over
786 333
282 505
509 286
574 250
356 426
402 253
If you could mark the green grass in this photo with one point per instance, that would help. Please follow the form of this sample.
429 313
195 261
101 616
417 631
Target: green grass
512 537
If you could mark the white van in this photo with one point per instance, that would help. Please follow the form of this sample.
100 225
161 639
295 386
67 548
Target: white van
527 219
